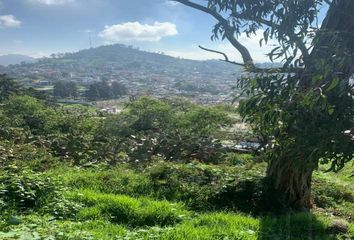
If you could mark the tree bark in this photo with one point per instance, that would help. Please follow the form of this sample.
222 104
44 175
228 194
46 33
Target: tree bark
292 182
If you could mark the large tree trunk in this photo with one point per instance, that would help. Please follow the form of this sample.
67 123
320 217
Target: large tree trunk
292 182
334 49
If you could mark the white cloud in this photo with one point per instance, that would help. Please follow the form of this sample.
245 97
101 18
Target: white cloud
51 2
135 31
252 44
9 21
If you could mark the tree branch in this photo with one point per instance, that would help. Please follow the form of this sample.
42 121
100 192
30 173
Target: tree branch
254 69
225 56
229 31
301 45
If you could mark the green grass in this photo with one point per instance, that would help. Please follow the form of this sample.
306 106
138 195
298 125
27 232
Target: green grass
120 180
126 202
218 225
334 192
122 209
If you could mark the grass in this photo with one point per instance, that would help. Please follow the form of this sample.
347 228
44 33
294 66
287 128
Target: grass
120 180
217 225
135 203
134 212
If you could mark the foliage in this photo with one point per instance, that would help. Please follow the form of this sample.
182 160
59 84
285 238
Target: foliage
65 89
153 127
27 113
8 87
23 191
102 90
103 193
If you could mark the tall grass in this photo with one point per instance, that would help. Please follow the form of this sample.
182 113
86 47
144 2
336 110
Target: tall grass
127 210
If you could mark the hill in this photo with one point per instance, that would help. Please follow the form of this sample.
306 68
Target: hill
11 59
144 73
118 56
132 58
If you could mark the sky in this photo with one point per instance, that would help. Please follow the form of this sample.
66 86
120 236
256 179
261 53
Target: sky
41 27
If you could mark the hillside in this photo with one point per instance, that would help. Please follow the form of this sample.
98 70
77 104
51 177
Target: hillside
121 56
10 59
118 57
144 73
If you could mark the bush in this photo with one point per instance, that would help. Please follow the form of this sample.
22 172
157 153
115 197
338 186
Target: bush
206 187
238 159
26 155
24 191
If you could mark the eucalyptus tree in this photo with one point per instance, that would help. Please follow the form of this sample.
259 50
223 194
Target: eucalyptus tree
304 109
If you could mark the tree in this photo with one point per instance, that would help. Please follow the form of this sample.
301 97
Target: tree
304 110
118 89
102 90
105 90
65 89
8 87
174 130
92 93
27 112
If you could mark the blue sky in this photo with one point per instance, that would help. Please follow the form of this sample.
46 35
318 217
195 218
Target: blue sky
41 27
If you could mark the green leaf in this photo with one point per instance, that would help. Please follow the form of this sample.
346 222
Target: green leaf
333 84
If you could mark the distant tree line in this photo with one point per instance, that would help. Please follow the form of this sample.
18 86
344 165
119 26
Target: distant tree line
95 91
103 90
65 89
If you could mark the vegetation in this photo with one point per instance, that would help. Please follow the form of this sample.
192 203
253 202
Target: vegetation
160 169
154 171
7 87
64 89
101 90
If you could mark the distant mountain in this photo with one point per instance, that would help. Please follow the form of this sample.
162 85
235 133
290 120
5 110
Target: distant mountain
114 60
11 59
119 56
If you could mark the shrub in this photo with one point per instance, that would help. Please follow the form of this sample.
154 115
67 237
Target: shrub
24 190
238 159
206 187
